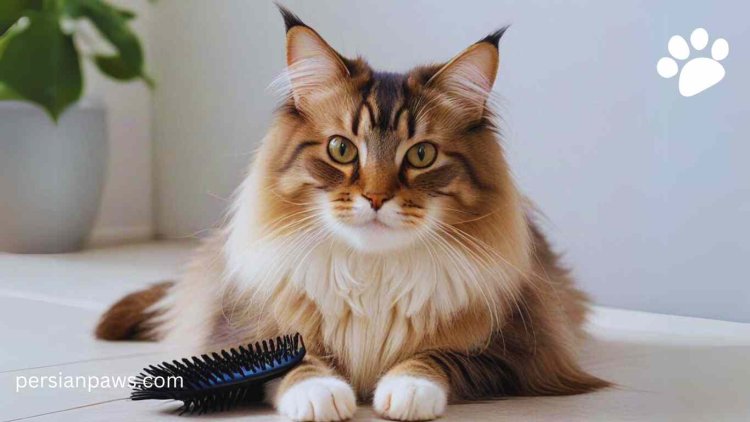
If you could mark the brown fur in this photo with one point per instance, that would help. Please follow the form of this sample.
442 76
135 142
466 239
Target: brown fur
129 318
532 354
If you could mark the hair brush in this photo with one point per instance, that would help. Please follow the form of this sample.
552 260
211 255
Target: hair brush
222 380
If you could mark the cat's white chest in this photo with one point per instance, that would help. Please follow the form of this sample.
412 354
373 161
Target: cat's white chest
377 308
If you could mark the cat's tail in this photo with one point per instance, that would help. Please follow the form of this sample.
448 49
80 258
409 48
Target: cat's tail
133 316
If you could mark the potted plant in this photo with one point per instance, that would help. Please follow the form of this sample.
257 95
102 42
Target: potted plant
53 146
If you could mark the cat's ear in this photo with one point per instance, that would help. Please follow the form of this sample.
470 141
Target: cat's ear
311 63
469 76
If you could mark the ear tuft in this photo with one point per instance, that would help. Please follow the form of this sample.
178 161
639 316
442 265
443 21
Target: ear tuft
312 65
290 19
494 38
468 78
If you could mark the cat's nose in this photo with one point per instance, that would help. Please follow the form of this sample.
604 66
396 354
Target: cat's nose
376 200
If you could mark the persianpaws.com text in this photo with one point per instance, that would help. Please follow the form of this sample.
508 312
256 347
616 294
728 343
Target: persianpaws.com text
92 382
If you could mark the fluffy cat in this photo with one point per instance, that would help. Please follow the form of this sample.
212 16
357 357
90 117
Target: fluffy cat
380 220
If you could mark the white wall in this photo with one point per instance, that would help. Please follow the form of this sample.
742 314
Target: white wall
126 208
215 60
647 192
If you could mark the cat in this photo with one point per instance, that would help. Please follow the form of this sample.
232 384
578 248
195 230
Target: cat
380 220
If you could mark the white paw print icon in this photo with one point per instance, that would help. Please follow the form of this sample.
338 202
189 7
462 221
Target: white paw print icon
699 73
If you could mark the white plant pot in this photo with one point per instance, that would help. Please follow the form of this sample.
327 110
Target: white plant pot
51 176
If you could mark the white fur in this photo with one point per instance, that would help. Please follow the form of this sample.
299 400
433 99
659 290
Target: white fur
184 318
362 152
318 399
409 398
185 321
371 231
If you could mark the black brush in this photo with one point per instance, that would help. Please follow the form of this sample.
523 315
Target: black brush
222 380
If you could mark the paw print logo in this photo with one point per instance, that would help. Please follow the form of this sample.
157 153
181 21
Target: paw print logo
699 73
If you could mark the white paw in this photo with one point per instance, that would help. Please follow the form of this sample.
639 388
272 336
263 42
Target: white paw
699 73
318 399
409 398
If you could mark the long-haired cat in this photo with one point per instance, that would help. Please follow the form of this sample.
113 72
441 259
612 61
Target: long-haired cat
380 220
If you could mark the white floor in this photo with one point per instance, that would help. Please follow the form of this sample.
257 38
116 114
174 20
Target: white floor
665 367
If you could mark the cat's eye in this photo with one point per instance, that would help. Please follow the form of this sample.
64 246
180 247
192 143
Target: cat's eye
421 155
342 150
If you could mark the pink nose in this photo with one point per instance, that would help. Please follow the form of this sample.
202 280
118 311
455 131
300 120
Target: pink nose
376 200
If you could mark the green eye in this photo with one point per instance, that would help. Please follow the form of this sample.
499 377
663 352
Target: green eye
342 150
421 155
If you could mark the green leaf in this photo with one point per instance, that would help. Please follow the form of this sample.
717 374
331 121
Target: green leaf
112 24
126 14
12 10
40 64
4 39
8 94
115 67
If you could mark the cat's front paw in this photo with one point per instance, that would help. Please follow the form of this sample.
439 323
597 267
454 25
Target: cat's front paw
318 399
409 398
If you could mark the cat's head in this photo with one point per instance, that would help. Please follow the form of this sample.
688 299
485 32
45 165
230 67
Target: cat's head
383 160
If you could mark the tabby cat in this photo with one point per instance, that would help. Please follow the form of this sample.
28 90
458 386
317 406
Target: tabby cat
380 220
